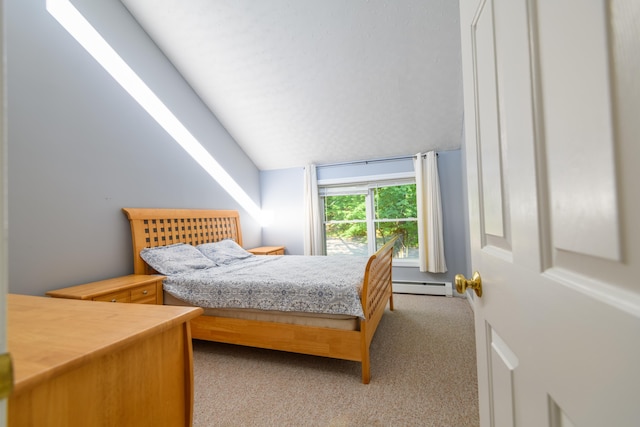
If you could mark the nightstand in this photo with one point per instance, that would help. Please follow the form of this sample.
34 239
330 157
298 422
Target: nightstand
134 288
268 250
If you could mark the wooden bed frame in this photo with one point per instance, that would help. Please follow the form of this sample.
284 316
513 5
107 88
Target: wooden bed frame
161 227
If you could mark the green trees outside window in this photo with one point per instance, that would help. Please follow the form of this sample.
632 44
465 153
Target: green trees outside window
359 224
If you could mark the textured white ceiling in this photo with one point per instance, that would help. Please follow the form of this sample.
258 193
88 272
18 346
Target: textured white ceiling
318 81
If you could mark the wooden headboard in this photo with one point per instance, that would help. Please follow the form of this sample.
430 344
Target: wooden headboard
162 227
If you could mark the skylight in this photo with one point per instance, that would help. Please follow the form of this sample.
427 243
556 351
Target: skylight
77 25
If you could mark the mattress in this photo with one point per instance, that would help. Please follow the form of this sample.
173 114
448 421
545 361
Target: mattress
333 321
287 283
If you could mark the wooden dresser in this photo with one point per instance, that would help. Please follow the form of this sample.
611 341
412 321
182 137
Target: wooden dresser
87 363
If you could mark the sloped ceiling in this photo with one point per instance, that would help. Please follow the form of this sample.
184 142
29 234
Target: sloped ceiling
318 81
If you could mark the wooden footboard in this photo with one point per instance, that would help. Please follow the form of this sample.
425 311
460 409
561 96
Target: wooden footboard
377 289
159 227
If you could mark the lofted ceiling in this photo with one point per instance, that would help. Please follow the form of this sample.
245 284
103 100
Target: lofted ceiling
318 81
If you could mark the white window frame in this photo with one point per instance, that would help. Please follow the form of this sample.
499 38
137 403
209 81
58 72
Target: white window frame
365 185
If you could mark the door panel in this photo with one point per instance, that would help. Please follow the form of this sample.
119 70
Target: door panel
577 125
551 148
502 367
488 129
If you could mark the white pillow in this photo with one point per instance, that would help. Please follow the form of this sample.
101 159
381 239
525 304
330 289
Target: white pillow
224 252
175 259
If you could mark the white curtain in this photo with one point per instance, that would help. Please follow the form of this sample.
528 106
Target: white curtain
313 221
430 241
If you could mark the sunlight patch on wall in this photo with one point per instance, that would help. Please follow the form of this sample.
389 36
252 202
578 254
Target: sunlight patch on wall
76 24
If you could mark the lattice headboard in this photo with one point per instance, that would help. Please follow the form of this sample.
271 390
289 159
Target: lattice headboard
162 227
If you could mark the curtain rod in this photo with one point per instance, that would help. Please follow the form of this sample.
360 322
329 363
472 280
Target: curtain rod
358 162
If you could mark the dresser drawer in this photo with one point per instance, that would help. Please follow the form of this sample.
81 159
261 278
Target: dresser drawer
144 294
122 296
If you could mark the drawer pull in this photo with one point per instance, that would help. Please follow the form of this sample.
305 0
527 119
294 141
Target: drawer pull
145 292
114 300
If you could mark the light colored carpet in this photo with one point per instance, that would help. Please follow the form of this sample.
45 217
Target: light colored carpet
423 373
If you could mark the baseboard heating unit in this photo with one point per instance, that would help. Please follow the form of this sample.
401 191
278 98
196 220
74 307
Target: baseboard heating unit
423 288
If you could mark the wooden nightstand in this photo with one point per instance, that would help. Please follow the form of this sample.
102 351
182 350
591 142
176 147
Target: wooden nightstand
135 288
268 250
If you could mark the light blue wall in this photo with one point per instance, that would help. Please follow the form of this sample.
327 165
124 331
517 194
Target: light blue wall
282 193
365 168
283 197
80 148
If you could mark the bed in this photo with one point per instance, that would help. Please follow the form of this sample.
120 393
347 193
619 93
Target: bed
346 337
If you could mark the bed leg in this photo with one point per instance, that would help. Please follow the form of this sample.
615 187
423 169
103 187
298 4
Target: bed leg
366 371
391 300
365 359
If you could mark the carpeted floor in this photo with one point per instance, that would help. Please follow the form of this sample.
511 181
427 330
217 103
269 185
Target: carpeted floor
423 373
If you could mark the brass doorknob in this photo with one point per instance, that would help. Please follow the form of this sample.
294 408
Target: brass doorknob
462 283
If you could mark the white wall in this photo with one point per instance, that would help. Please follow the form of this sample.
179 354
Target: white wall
80 149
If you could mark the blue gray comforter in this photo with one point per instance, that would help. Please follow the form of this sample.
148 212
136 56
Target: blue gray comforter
312 284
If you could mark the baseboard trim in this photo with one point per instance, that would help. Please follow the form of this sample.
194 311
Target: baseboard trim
423 288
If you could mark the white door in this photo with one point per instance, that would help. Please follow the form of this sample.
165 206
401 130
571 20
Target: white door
552 123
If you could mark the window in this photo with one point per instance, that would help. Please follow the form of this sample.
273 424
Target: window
359 219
